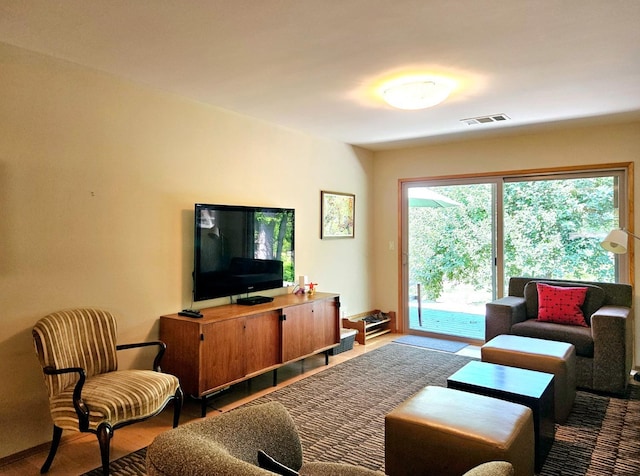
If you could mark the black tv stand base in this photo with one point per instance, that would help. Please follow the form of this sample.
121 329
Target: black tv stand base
253 300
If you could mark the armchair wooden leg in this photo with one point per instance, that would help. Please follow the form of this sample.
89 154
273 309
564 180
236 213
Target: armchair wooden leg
177 406
105 433
57 434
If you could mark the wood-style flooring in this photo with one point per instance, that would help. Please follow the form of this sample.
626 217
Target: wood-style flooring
79 452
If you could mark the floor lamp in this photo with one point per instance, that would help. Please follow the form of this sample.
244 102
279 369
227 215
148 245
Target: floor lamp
616 242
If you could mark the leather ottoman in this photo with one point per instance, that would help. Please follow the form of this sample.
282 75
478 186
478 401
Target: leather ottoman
441 431
557 358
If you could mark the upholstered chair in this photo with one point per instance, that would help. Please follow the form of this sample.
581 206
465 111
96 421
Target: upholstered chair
78 353
603 343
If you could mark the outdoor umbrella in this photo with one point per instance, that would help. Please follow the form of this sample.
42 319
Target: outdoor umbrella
423 197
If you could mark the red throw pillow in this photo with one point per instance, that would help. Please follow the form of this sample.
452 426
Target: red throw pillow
561 304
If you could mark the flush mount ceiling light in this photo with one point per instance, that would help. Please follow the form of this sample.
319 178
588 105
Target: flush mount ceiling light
415 94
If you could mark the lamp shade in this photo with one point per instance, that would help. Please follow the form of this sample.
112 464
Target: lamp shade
616 241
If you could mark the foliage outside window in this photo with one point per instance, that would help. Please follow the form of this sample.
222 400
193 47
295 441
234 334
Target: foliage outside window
552 228
452 244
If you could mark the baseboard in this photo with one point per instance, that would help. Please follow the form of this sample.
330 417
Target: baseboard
42 448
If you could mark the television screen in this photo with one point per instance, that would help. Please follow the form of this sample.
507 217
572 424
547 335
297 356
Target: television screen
240 249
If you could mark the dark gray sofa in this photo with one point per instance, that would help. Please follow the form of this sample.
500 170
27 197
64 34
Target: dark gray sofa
603 349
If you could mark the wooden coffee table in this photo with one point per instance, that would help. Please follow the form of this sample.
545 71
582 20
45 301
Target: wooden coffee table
526 387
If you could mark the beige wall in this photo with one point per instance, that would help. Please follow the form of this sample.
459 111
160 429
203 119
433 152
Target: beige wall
98 178
557 147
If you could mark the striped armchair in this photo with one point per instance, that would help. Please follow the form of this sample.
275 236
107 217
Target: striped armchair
87 393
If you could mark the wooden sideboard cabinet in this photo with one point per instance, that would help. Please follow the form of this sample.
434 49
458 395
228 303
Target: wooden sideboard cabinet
232 343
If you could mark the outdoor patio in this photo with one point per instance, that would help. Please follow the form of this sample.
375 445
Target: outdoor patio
469 325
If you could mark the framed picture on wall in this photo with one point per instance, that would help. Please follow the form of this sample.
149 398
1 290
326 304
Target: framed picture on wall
337 212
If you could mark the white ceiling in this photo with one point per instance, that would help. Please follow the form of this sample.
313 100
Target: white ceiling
312 65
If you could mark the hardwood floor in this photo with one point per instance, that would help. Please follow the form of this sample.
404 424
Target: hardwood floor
79 453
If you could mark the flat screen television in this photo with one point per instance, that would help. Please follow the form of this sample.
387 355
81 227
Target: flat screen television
240 249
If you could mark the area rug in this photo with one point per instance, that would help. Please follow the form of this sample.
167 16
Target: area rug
340 415
431 343
132 464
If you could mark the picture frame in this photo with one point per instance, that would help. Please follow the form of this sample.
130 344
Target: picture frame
337 212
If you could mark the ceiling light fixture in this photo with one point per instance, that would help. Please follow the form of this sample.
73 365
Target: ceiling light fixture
415 94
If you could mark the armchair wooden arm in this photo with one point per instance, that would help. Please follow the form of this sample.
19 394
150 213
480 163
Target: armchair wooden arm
78 403
162 347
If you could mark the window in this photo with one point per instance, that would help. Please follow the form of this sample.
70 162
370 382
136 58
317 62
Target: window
553 226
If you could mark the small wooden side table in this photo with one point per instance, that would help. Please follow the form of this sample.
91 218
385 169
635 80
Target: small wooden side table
527 387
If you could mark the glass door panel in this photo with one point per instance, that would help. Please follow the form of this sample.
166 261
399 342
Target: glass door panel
553 228
449 258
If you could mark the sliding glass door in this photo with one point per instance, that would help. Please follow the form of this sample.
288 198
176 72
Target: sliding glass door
462 241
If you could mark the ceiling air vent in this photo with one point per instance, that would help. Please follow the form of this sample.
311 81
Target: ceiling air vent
485 119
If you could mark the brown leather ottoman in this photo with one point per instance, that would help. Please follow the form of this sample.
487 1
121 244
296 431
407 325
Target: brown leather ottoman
441 431
557 358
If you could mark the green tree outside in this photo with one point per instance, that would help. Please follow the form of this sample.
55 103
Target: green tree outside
552 229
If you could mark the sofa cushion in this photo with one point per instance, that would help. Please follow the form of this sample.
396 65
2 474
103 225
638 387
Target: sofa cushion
561 304
593 301
580 337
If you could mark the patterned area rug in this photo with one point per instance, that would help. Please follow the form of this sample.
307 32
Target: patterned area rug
340 415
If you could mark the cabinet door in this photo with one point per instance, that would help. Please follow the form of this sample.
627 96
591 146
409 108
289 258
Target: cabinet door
262 341
223 353
182 356
326 323
297 331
